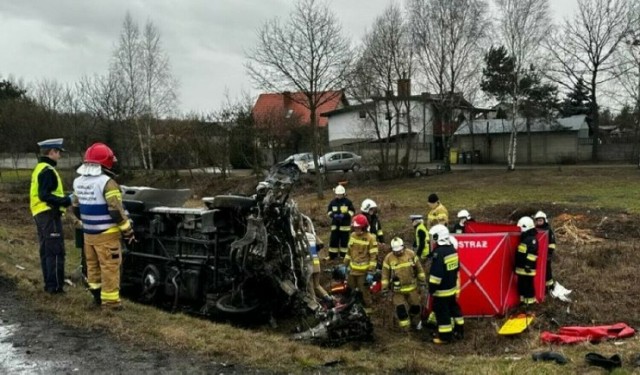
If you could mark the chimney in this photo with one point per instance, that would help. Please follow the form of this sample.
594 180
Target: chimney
404 87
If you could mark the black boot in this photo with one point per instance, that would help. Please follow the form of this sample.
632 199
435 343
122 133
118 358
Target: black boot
458 332
97 300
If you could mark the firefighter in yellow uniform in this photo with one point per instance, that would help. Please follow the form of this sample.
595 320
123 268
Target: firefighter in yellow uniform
402 272
438 213
98 203
444 286
361 258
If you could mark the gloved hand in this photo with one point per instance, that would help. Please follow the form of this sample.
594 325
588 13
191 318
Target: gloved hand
338 216
369 279
129 236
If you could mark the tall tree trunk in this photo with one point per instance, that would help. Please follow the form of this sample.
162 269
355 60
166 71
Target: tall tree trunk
316 151
141 143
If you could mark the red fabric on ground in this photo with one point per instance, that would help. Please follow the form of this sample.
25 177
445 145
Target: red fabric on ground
576 334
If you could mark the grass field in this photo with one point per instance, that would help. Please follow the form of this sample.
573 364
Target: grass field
597 257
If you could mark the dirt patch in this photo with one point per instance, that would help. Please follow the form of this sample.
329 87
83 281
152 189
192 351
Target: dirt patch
31 343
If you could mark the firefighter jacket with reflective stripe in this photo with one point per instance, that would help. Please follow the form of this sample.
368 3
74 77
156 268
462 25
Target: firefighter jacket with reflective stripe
46 190
340 211
443 274
404 268
552 238
100 205
421 242
362 253
375 227
527 254
438 215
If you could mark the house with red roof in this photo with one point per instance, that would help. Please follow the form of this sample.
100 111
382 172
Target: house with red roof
281 107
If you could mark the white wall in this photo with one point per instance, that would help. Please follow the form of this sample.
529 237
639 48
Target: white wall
349 125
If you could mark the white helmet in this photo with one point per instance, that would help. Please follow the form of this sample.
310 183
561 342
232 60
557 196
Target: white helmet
440 234
397 244
340 190
526 223
367 204
464 214
540 215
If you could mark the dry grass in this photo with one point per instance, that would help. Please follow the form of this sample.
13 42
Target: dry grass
603 275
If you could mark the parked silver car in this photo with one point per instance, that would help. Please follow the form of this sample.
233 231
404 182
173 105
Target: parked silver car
336 161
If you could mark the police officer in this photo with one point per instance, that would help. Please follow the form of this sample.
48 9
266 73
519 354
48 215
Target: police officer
361 258
47 202
542 223
421 241
526 259
402 272
98 203
340 211
438 213
444 286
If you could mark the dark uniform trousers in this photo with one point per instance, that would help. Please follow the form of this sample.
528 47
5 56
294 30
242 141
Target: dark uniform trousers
448 316
49 226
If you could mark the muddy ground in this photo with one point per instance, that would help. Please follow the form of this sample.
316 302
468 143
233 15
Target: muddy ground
32 343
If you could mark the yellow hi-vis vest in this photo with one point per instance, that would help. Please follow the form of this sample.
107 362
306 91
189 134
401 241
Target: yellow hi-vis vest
37 206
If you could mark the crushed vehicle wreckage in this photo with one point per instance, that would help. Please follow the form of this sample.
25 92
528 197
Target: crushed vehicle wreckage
238 257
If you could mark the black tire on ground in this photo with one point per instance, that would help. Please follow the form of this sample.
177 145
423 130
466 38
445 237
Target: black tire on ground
225 304
232 201
356 167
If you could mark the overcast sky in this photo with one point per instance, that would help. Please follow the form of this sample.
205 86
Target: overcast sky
205 39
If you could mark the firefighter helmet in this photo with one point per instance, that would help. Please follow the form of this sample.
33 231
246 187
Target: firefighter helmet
439 233
526 223
464 214
540 215
339 190
368 204
99 153
397 244
360 221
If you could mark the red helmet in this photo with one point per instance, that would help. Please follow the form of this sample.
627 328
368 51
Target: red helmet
360 221
99 153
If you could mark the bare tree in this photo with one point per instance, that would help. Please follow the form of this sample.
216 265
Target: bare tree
450 37
524 25
143 71
308 54
585 49
159 86
386 57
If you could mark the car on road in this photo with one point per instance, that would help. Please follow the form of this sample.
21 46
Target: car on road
304 157
337 161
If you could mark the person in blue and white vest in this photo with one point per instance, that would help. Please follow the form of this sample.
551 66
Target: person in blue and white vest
98 204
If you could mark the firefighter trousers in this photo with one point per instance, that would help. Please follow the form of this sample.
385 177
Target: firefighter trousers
526 290
448 316
358 281
407 308
103 253
338 241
